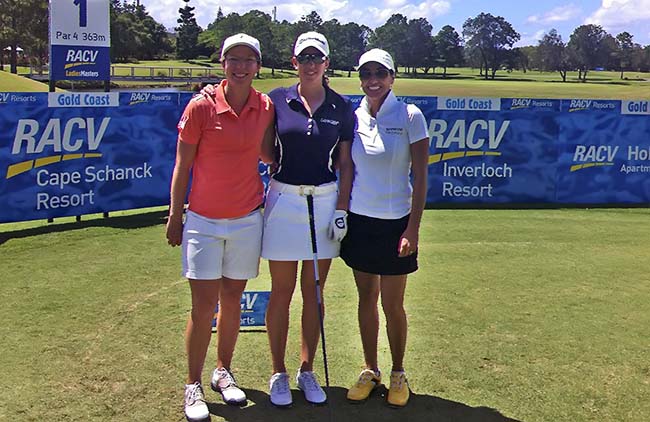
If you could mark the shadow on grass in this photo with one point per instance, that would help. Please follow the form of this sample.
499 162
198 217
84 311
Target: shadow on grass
134 221
421 408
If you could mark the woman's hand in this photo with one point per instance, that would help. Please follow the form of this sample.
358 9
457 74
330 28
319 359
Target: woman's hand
174 230
208 92
408 242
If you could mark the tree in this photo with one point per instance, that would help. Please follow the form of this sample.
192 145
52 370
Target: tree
552 55
490 37
347 43
222 27
422 51
135 34
587 49
393 37
156 43
259 23
529 59
519 58
639 62
282 47
209 38
23 23
188 33
310 22
624 51
449 49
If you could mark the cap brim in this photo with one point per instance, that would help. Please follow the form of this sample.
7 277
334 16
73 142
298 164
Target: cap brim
307 44
237 44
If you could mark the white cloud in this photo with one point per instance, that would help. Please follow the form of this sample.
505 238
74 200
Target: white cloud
530 39
559 14
394 3
614 14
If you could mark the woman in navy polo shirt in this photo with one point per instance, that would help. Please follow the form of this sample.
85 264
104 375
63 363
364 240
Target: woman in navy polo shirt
314 130
391 143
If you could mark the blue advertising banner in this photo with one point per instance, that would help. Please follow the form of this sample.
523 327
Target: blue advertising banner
604 152
253 309
66 154
491 150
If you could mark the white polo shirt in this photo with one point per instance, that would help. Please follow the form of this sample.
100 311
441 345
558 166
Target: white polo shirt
382 158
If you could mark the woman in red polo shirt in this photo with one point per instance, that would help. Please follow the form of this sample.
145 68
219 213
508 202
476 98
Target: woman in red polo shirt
219 140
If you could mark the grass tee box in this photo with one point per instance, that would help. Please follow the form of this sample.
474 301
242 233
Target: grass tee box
524 315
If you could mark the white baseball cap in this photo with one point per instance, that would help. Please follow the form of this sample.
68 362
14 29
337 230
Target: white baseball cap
312 39
379 56
241 39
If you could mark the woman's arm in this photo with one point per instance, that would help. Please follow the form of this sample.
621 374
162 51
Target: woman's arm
346 174
419 163
267 153
185 154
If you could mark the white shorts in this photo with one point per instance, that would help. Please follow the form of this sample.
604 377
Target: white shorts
286 223
222 247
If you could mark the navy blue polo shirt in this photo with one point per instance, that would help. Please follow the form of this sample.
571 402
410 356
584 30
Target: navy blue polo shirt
307 144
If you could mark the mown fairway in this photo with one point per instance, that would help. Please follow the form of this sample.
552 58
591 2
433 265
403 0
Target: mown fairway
462 82
528 315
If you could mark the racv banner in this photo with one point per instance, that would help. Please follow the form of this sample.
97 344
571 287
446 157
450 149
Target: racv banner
67 154
490 150
603 152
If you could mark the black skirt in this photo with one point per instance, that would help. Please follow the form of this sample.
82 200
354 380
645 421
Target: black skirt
371 245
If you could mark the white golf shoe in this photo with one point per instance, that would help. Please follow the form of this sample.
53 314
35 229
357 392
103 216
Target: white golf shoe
196 410
309 385
280 393
224 382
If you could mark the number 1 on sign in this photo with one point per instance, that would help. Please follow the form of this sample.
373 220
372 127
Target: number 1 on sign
83 12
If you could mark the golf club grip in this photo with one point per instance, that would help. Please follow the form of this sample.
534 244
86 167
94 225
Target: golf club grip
312 223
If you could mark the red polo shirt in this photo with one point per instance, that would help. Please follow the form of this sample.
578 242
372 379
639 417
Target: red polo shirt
225 177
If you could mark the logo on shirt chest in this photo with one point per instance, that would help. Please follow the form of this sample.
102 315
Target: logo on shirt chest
394 130
330 121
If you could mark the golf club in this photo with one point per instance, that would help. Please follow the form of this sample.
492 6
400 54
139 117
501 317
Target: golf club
314 248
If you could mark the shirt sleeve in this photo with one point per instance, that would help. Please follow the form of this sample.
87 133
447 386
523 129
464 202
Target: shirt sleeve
192 122
349 122
416 124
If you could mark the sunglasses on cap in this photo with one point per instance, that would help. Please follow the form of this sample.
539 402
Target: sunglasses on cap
381 73
314 58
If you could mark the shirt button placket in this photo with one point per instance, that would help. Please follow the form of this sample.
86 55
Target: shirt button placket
310 126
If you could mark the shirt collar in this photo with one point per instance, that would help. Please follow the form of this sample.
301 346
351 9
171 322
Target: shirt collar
222 105
293 95
387 106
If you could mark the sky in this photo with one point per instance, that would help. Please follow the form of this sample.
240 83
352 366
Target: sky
531 18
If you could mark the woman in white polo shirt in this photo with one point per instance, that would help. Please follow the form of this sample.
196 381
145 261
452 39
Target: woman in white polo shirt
391 145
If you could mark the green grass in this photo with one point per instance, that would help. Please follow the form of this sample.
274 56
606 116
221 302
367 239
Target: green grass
14 83
480 88
529 315
460 82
